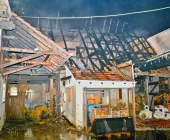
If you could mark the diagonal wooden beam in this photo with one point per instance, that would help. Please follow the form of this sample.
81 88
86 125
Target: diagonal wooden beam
122 65
46 58
18 50
20 69
29 62
25 58
26 51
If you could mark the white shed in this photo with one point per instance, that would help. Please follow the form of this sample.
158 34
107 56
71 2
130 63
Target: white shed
79 86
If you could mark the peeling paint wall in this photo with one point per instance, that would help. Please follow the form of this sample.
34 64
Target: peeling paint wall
2 101
70 105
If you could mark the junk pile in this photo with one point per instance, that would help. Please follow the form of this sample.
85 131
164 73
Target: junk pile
39 114
120 106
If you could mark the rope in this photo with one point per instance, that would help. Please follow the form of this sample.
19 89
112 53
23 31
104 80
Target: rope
88 17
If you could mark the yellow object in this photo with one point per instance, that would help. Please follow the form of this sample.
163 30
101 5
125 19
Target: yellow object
36 114
137 107
25 112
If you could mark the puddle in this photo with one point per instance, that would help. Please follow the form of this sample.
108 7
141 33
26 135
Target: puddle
31 131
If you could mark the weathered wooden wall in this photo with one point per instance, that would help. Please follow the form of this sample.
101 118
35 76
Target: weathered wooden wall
2 101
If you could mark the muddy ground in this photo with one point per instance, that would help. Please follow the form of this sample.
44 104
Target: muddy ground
64 131
33 131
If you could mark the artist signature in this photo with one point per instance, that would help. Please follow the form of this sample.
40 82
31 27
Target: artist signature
151 123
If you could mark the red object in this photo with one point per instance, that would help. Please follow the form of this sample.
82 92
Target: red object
69 94
91 99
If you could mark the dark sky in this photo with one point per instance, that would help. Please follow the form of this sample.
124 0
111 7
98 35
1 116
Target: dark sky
146 24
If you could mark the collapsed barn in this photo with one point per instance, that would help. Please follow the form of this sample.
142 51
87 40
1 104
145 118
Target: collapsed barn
99 46
108 59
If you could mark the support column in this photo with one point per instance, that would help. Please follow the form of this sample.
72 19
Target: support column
51 94
133 100
147 89
43 92
79 105
85 107
57 86
153 89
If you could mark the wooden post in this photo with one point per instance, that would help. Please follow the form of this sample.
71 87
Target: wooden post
133 101
128 102
156 90
1 52
51 94
147 88
85 107
51 83
57 86
43 92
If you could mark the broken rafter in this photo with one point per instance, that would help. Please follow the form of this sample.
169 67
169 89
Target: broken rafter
18 50
29 62
20 69
119 73
25 58
25 50
122 65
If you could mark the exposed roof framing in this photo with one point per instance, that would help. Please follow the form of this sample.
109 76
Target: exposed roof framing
115 44
24 59
113 75
27 40
29 62
99 49
154 63
159 72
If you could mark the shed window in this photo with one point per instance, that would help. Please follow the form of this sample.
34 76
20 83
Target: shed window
118 93
69 94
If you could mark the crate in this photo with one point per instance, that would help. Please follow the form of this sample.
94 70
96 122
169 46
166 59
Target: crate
100 113
115 114
123 113
119 113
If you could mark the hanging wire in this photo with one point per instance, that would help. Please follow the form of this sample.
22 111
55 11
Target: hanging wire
116 15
